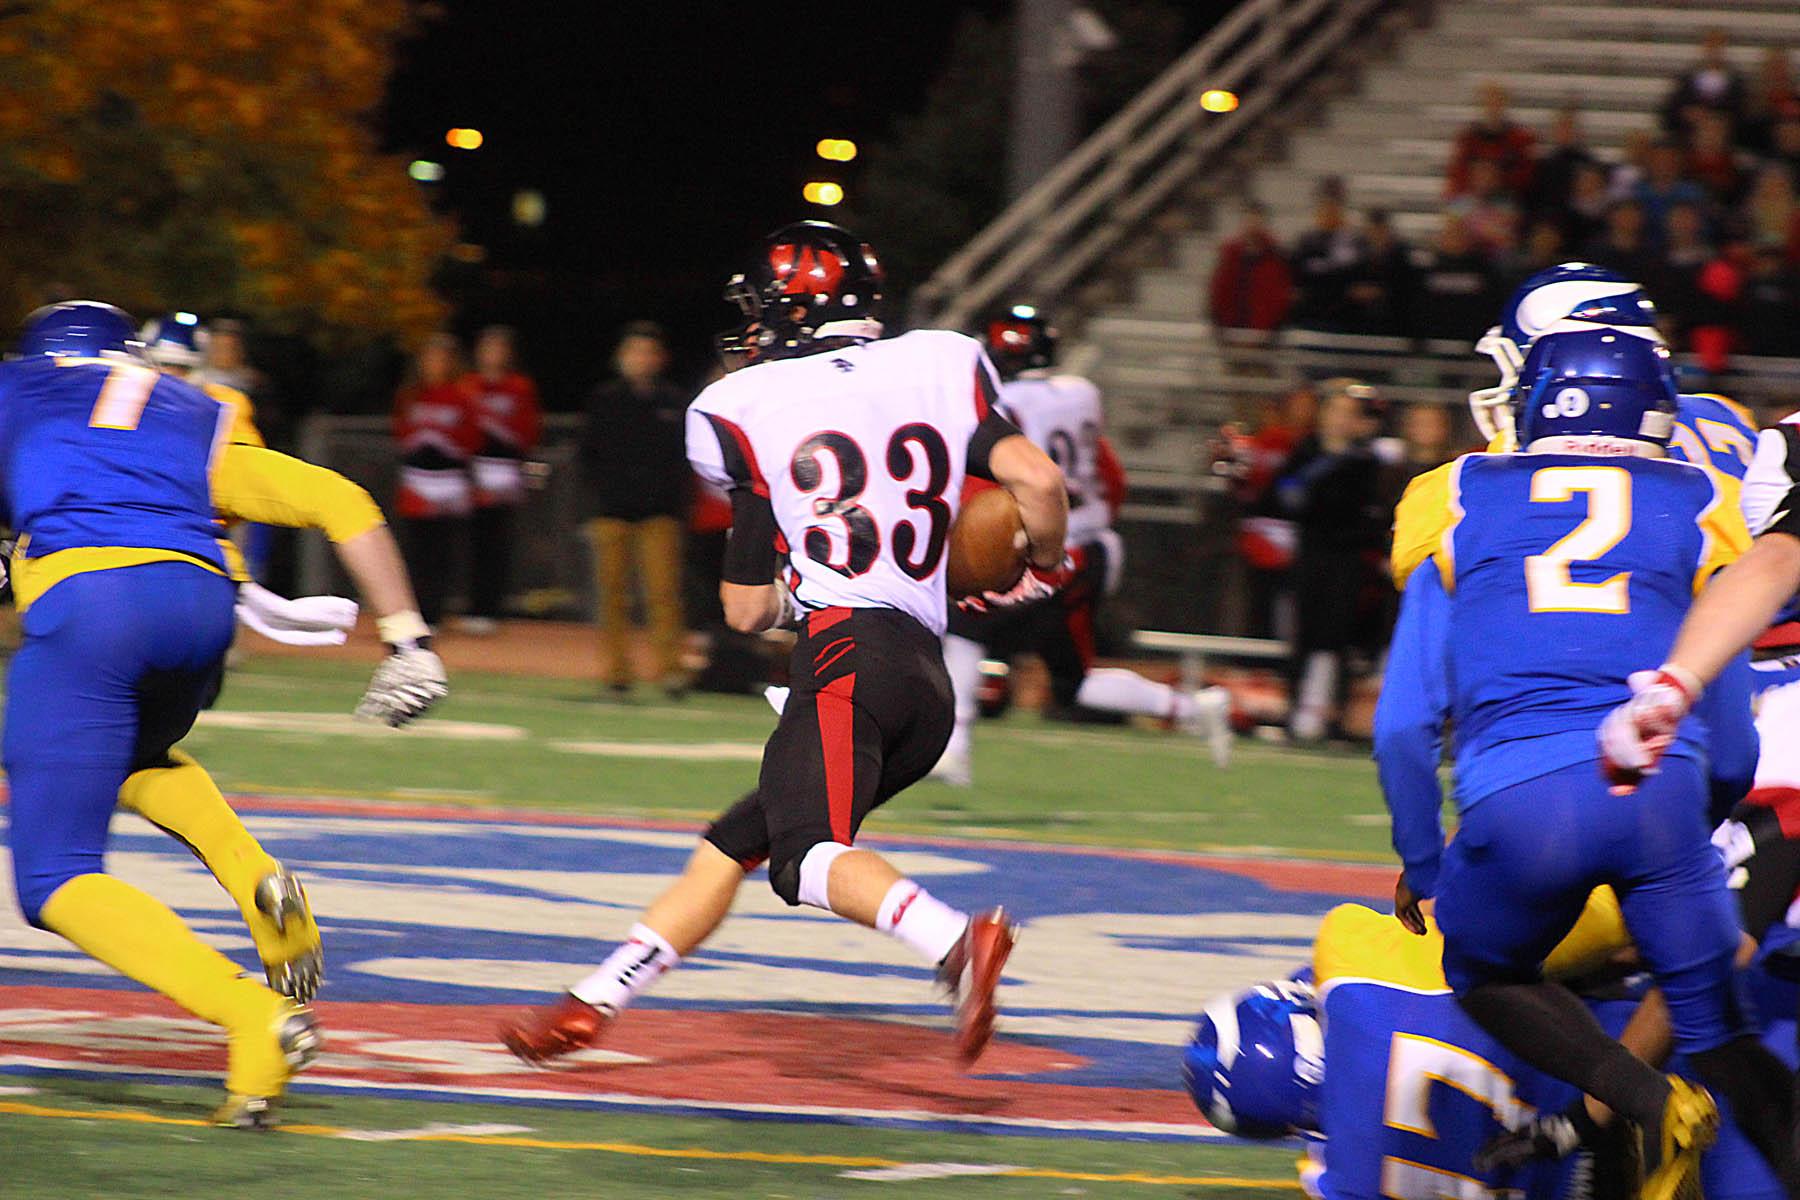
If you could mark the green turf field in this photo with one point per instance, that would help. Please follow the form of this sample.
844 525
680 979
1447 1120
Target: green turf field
282 729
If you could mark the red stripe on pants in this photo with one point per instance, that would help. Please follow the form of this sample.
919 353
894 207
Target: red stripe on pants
837 739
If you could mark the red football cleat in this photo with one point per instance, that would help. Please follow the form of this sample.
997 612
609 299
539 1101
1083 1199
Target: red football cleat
982 953
555 1030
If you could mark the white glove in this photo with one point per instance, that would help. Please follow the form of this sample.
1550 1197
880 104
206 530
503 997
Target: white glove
303 621
408 681
1634 735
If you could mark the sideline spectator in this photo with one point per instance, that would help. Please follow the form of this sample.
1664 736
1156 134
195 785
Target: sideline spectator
1772 214
1771 304
1663 187
504 404
1633 166
1773 97
1722 284
634 458
1323 261
1676 281
435 435
1457 286
1625 246
1589 198
1711 85
1543 248
1493 137
1785 150
1714 163
1380 291
1252 285
1490 212
1331 489
1553 180
1265 541
1426 431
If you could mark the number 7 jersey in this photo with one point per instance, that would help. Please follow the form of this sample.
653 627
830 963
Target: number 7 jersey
1566 573
861 454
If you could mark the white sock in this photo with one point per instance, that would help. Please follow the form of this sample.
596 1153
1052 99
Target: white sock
962 659
1112 689
632 968
1318 687
920 920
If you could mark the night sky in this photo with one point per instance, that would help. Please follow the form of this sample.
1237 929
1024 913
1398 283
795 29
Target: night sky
666 139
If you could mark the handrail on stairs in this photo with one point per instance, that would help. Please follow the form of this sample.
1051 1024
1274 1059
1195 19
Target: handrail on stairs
1050 237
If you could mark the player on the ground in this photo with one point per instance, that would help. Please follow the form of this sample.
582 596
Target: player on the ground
1063 415
846 453
1401 1092
112 475
1558 562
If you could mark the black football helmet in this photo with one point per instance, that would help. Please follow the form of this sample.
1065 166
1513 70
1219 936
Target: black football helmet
807 285
1021 340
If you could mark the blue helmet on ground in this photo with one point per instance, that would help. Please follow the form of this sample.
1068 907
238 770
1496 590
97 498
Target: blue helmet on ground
77 329
1571 295
1257 1059
1595 391
175 340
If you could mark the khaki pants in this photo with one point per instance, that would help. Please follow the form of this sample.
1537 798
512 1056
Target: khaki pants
656 544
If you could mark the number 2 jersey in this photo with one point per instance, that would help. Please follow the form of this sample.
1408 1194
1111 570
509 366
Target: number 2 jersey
852 463
1565 574
1062 414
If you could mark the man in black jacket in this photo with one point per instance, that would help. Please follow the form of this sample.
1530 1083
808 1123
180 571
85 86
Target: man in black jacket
634 459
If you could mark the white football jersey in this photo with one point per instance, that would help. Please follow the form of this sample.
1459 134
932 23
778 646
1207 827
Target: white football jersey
1062 415
861 452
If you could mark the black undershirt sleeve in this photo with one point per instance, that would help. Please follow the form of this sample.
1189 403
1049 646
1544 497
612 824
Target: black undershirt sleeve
750 555
992 429
1787 515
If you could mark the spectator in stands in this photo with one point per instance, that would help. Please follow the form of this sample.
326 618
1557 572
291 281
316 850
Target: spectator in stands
1773 97
1266 540
1380 293
1633 166
1676 280
1493 137
634 459
1663 187
1330 488
1722 284
1784 149
1252 284
1714 163
1584 219
504 406
1772 213
1324 259
436 435
1543 247
1771 303
1553 180
1425 443
1457 286
1488 209
1711 85
1626 245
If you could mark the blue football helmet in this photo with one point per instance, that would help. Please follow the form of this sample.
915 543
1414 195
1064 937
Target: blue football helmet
177 340
78 329
1571 295
1257 1059
1606 388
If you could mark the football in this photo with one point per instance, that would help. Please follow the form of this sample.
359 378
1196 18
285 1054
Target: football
987 544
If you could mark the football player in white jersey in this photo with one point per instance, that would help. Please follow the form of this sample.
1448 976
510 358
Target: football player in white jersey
1063 414
845 454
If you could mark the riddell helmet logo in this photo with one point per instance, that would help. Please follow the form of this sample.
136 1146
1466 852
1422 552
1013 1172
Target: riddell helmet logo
806 271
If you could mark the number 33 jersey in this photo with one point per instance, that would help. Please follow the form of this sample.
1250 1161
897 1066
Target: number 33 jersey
861 454
1566 573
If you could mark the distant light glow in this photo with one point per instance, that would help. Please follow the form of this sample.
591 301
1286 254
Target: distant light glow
426 171
186 318
823 192
464 139
1218 100
1024 312
468 252
529 208
836 149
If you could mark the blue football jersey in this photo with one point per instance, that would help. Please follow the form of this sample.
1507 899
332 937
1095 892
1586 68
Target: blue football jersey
1566 574
104 453
1711 431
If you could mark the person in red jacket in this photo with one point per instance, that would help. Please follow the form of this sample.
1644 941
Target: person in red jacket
1252 284
503 404
436 436
1493 137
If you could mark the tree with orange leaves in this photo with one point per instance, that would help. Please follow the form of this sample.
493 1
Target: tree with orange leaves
212 156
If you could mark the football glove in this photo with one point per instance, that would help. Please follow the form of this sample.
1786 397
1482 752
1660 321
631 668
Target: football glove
1037 583
1634 736
407 683
305 621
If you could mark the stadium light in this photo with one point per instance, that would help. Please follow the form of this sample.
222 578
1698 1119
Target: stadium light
1218 100
823 192
426 171
529 208
836 149
464 139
